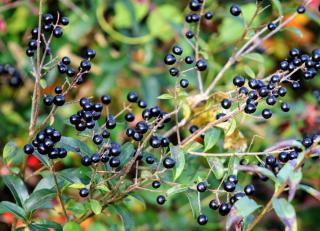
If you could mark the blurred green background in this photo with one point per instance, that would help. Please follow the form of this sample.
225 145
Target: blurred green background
131 38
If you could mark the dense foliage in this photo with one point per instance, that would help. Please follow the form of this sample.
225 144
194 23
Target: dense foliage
159 115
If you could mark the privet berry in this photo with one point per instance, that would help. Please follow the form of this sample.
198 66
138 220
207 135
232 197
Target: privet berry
202 219
235 10
161 199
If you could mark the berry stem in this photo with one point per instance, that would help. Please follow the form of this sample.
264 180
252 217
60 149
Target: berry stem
278 191
238 154
54 174
197 49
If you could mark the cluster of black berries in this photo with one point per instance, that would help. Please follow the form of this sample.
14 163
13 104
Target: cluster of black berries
109 154
57 100
50 25
14 77
224 208
194 17
143 126
274 88
83 69
65 68
275 163
170 59
310 64
45 142
87 117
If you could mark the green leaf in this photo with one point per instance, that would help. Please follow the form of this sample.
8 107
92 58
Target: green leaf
38 199
165 96
43 83
231 128
194 202
296 31
246 206
122 17
127 151
95 206
255 57
74 145
278 5
7 206
162 20
42 158
46 225
179 156
310 190
211 137
72 226
126 218
11 154
293 183
77 185
285 212
259 170
176 189
17 188
216 166
249 72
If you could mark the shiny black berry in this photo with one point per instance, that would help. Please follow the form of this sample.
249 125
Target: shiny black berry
202 219
272 26
161 199
168 162
64 20
224 209
129 117
226 103
213 204
59 100
229 186
174 71
170 59
184 83
177 50
57 32
285 107
85 65
106 99
301 10
86 161
114 162
84 192
189 60
28 149
156 184
235 10
201 65
48 100
266 113
202 187
249 189
150 159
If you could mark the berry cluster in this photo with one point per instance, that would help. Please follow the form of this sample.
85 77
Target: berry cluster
273 87
86 118
45 142
14 77
199 64
194 17
229 186
65 68
50 25
170 59
145 125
